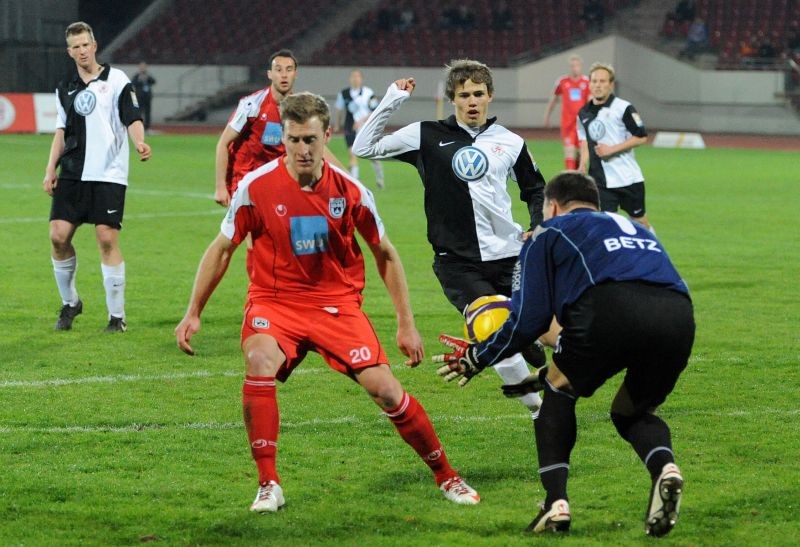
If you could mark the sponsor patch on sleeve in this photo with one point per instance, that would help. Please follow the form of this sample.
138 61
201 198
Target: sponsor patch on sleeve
637 118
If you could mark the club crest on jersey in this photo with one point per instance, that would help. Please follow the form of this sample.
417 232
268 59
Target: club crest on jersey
336 207
470 164
280 210
85 102
260 323
597 130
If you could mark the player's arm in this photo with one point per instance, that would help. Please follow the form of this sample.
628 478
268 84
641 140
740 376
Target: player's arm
583 165
635 126
221 195
370 141
549 109
212 268
131 116
136 134
56 150
531 184
391 271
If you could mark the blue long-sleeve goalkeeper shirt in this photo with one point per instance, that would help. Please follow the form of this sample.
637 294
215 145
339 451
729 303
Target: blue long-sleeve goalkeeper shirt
567 255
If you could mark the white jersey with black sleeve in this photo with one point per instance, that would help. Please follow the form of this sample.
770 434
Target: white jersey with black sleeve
612 122
465 177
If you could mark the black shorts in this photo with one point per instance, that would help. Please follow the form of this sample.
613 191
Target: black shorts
463 280
80 202
629 198
638 327
349 138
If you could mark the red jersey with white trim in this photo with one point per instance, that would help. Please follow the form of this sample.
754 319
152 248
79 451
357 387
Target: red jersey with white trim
574 94
304 244
257 119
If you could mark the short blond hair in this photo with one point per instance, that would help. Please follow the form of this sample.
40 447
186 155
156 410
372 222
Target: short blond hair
79 27
603 66
301 107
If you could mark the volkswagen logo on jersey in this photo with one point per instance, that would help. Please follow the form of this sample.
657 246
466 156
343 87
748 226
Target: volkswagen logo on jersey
85 102
596 130
470 164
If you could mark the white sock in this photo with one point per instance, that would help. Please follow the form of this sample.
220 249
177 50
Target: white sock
378 168
513 370
64 271
114 282
354 171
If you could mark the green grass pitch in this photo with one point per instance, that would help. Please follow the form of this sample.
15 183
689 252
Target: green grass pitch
122 439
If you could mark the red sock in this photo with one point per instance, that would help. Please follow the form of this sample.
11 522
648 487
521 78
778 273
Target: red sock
262 420
413 424
571 163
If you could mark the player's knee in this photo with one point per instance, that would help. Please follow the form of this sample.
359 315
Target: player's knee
383 387
263 359
60 239
623 423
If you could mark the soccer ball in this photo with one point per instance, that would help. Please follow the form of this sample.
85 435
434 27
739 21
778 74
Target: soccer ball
485 316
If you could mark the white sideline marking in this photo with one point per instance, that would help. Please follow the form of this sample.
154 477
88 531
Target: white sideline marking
218 426
133 378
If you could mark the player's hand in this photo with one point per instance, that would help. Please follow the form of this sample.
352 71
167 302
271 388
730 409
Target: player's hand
461 363
410 343
406 84
49 183
526 235
604 150
187 328
532 384
144 151
222 196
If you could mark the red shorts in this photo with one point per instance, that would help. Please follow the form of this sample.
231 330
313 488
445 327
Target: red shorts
569 134
342 335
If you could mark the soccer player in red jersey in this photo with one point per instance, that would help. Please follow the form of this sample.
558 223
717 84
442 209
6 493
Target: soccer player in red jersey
253 134
573 88
306 278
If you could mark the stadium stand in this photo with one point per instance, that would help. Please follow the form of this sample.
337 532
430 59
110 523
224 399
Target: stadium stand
535 26
746 34
185 32
222 32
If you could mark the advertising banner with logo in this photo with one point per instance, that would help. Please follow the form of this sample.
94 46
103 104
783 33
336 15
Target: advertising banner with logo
17 113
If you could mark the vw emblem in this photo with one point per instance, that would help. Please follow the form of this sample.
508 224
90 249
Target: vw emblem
596 130
85 102
470 164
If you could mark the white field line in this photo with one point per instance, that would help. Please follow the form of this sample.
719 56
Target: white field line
133 378
133 216
218 426
303 424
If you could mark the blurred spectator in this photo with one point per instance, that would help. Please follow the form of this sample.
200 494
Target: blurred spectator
594 15
793 41
502 17
746 49
766 50
387 19
461 18
696 39
684 12
406 20
143 84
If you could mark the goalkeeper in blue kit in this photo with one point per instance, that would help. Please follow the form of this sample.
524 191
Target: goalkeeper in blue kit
622 306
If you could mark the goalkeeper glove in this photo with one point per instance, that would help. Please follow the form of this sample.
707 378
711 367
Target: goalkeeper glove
461 363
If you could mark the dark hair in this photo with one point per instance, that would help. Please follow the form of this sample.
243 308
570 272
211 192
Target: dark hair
570 186
301 107
461 70
282 53
79 27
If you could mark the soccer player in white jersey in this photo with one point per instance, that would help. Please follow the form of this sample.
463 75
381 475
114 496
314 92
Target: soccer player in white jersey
465 162
609 128
355 104
97 112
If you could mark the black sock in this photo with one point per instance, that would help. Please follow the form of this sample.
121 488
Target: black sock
556 430
650 438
